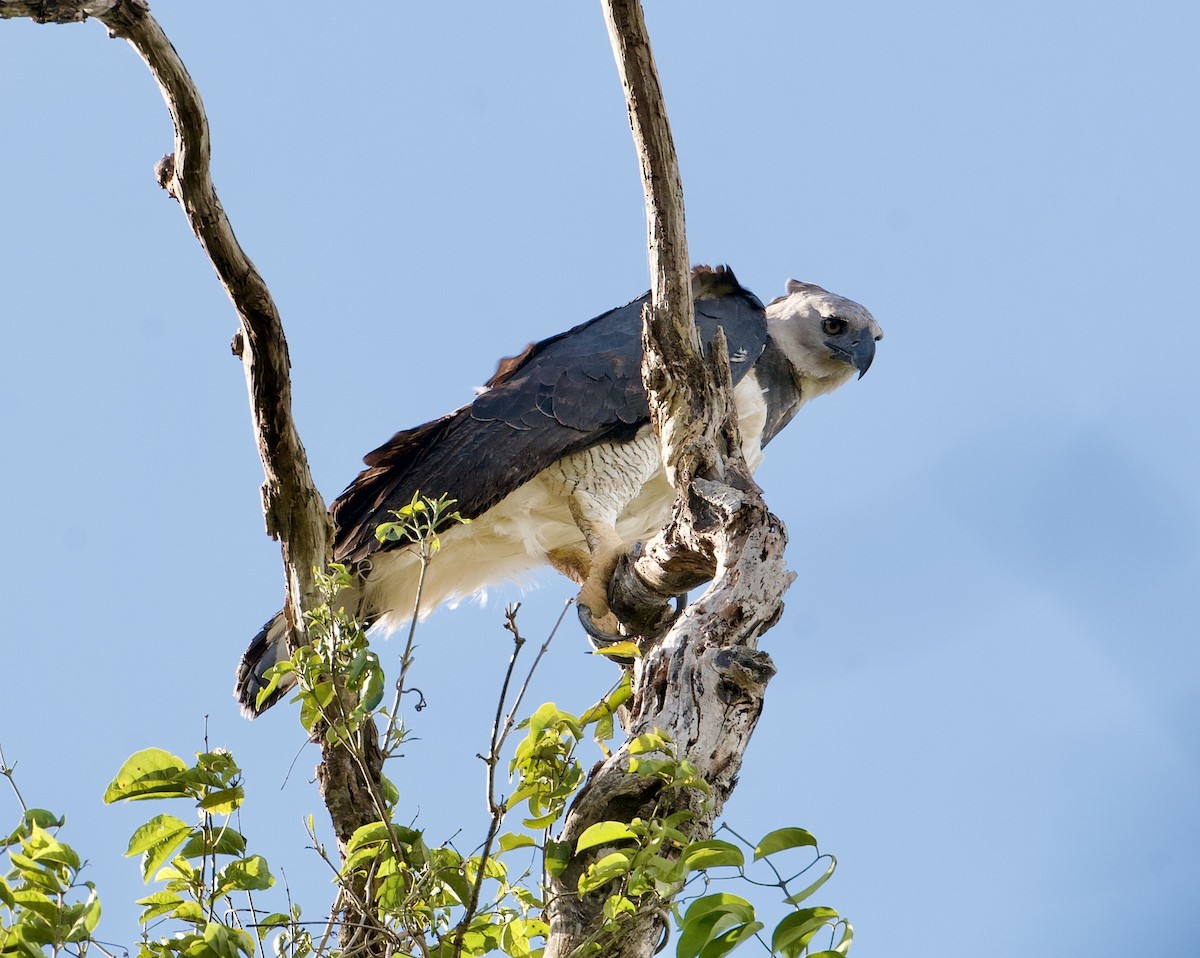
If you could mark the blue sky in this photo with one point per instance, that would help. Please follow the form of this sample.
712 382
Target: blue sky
987 696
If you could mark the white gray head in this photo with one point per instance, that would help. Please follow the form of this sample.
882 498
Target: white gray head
826 337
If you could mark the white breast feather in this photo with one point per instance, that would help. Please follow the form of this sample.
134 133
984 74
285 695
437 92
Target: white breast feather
512 538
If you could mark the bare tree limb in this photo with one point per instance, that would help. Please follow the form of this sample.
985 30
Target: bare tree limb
294 511
703 684
690 400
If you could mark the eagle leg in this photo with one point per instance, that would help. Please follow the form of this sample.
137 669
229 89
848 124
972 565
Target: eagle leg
576 565
643 612
573 563
594 592
596 517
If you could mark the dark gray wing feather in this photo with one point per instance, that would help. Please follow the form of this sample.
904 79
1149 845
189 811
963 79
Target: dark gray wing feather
559 396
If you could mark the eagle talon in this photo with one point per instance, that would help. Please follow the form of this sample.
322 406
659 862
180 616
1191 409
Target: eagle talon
596 635
603 640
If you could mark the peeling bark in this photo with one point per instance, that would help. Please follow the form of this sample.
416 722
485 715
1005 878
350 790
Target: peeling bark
703 683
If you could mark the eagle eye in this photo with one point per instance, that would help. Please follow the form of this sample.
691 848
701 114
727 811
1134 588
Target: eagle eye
834 326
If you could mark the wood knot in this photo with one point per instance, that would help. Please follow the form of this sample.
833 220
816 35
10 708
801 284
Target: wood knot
164 174
744 672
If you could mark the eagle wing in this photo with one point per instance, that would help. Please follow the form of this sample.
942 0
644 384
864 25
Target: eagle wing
561 395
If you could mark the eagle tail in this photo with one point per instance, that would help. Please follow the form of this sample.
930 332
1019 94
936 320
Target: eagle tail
266 648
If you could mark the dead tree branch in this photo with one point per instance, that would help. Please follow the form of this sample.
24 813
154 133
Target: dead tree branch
703 684
294 511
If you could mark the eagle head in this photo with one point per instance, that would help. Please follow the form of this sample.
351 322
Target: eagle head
826 338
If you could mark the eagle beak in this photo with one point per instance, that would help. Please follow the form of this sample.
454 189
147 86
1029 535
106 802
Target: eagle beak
856 348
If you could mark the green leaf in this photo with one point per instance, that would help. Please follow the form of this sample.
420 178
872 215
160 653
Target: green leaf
710 918
793 934
226 942
33 901
190 911
603 732
603 833
160 903
371 691
600 873
542 821
226 841
220 763
522 793
154 832
369 834
88 919
724 943
557 857
841 947
33 816
43 818
158 855
617 905
675 819
457 882
275 920
648 767
516 935
44 847
179 870
782 839
224 801
722 902
511 840
847 936
200 777
806 892
620 650
275 674
712 854
244 874
546 714
150 773
364 855
37 874
608 705
654 741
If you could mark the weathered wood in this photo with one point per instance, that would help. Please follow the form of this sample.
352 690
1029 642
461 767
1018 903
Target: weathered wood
294 511
703 683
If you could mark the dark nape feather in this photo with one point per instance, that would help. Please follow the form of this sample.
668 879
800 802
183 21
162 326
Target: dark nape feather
563 394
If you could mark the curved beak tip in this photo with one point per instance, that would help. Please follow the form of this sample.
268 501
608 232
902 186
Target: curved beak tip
859 353
862 355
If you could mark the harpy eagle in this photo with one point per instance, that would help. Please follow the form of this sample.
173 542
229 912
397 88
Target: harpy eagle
555 461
